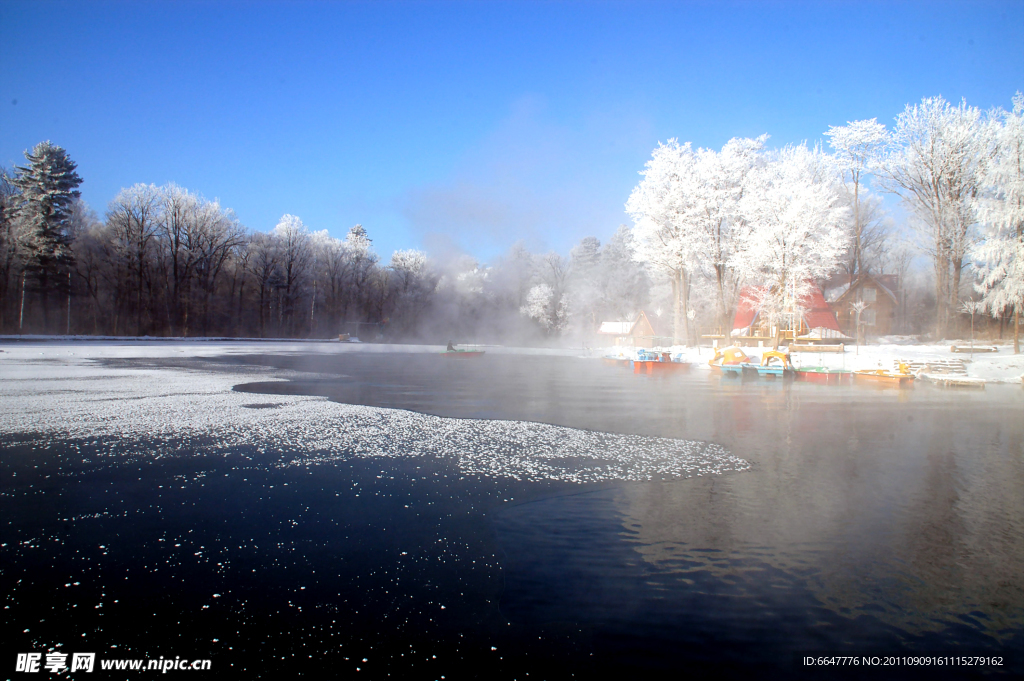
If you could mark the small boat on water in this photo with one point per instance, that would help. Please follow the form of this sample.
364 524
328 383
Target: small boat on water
774 364
825 375
902 377
728 361
651 362
660 367
733 369
463 354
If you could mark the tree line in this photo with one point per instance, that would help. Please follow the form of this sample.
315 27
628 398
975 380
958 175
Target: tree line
712 221
165 261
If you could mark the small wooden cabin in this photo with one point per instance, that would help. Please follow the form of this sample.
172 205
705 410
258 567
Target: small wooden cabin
639 333
879 292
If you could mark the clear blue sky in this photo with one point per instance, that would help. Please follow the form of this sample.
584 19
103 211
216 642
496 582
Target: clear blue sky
465 125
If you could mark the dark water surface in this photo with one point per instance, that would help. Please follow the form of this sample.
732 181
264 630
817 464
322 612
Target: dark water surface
875 522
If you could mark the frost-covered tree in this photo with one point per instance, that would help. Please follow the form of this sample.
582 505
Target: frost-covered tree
411 284
133 218
718 187
625 286
176 226
604 283
83 217
936 156
999 255
47 188
218 235
794 229
512 276
548 301
264 262
409 266
95 264
869 251
857 145
330 263
173 245
10 244
585 290
686 211
363 263
553 270
295 256
661 236
545 307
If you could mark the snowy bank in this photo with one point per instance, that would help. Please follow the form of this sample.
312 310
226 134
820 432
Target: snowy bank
995 367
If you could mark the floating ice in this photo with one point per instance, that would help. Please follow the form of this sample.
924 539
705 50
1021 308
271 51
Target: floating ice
164 412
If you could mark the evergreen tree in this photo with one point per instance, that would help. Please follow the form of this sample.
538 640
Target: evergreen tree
10 246
44 210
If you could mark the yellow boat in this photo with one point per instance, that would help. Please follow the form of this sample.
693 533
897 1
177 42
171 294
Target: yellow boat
728 361
901 377
774 363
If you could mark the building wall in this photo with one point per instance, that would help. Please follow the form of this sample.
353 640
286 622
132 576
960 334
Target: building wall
878 319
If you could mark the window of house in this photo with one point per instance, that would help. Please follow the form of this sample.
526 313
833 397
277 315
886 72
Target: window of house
867 317
868 295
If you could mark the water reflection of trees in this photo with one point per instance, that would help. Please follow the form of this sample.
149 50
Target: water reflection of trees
905 508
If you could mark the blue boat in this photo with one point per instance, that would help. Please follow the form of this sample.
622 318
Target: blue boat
774 364
773 371
733 369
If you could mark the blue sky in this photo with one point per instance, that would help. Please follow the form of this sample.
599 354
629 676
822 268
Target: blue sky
464 125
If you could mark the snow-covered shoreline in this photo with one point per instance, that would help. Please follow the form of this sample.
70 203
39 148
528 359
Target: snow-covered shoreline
993 367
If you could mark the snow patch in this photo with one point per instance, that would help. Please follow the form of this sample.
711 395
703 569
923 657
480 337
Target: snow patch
166 412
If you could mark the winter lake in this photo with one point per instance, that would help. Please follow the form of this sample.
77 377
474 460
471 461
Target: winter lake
302 508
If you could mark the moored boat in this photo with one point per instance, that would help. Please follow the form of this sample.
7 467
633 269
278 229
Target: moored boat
901 377
774 364
659 367
464 354
824 375
732 369
728 361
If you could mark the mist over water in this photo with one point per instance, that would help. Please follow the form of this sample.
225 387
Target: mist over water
865 521
868 511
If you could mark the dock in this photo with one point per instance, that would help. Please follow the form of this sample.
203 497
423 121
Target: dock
953 381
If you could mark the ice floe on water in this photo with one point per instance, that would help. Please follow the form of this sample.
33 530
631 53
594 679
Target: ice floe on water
168 412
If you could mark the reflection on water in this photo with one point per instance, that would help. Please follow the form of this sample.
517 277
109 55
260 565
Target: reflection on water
871 517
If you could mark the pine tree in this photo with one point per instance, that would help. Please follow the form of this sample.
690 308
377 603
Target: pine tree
44 210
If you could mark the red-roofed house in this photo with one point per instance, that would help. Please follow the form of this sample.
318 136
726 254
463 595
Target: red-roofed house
818 319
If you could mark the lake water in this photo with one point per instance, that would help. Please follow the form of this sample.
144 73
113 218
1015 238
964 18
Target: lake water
872 521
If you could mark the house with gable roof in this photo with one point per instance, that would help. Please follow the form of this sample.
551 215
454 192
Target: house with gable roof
817 322
639 333
879 292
